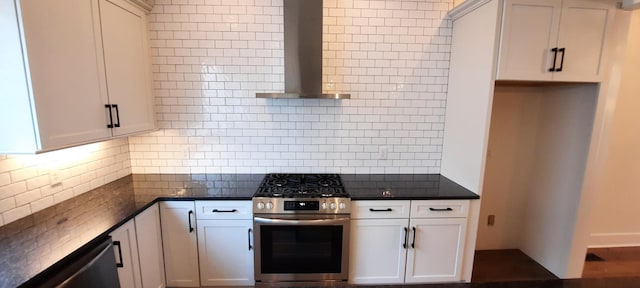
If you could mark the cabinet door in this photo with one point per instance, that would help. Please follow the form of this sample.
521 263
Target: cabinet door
180 243
64 53
583 27
529 32
435 250
226 252
126 57
377 252
125 248
150 249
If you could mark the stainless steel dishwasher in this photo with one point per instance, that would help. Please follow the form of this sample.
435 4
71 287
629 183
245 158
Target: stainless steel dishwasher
93 265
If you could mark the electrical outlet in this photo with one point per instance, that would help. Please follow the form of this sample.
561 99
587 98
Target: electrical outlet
185 152
384 153
54 177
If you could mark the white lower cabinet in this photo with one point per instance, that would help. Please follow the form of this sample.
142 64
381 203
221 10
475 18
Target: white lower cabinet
207 243
226 252
436 249
377 253
125 247
180 243
225 245
391 245
149 239
138 249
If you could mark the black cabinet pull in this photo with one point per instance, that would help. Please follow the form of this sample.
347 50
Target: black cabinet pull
117 115
189 216
249 237
562 50
117 244
110 125
406 231
440 209
224 211
380 210
413 243
555 57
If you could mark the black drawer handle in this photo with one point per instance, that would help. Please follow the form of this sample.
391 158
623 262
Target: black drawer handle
117 115
110 125
380 210
224 211
190 226
555 57
413 244
249 236
406 233
561 50
117 244
440 209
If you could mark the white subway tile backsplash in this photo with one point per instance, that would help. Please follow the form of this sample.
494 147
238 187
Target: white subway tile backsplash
212 56
25 185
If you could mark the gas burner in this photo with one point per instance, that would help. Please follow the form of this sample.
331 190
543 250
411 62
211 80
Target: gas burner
301 186
324 182
280 182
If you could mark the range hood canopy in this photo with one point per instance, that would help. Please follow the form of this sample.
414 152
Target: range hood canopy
303 52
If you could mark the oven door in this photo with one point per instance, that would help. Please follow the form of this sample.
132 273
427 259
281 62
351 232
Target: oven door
301 247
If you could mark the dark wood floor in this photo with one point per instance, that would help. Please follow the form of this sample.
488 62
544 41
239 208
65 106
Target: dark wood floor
616 262
507 265
514 269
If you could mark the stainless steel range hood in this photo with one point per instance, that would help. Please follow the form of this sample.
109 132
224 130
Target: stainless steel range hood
303 52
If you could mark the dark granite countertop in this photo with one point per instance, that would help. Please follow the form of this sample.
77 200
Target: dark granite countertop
404 187
30 245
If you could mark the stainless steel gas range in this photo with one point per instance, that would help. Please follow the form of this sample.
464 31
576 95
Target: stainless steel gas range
301 224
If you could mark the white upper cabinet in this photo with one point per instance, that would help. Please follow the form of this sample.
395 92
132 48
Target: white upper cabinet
64 70
529 32
553 40
124 34
582 35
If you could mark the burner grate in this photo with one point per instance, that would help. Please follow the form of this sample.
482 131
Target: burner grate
301 186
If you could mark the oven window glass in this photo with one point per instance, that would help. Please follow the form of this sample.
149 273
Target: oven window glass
301 249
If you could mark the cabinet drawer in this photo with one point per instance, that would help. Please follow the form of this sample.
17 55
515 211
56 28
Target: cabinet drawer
383 209
224 210
439 208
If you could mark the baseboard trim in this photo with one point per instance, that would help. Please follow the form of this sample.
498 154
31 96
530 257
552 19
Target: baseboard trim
602 240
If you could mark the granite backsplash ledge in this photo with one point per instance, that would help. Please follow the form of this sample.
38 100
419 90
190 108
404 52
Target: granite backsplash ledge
33 243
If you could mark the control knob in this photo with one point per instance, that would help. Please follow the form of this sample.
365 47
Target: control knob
260 205
269 205
323 206
332 206
342 206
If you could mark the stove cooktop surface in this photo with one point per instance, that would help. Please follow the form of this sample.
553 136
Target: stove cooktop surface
301 186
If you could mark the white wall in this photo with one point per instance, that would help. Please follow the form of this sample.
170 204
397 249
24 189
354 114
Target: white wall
509 166
616 214
25 182
538 145
211 57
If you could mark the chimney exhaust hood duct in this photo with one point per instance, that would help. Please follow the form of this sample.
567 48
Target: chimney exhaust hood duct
303 52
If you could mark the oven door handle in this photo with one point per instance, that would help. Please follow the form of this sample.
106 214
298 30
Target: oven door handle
301 222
